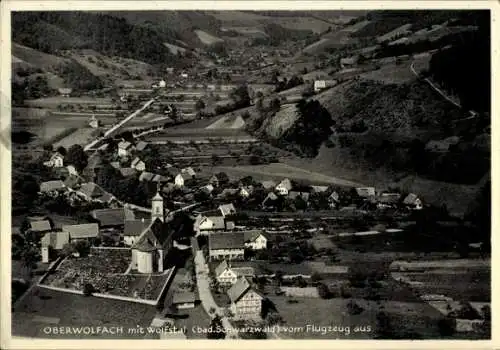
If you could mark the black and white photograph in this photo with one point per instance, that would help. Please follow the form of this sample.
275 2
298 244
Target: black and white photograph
250 174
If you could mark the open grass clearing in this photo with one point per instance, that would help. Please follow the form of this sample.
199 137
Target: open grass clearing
54 101
279 171
206 38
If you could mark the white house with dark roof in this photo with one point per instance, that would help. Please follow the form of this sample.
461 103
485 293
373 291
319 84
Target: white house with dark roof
124 148
227 275
226 245
188 172
284 187
112 218
81 231
255 239
179 180
205 225
246 302
138 164
227 209
55 161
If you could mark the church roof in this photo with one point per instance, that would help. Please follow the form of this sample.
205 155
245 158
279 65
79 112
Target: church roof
157 197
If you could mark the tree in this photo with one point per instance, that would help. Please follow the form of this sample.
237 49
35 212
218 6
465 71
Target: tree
446 326
315 277
77 157
216 329
323 291
384 328
62 151
215 159
222 178
199 105
353 308
82 247
88 289
240 96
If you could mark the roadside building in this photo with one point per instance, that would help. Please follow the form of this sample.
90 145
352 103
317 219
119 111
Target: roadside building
53 241
132 230
284 187
246 302
124 148
227 275
184 300
270 201
255 239
138 164
227 209
55 161
112 218
53 187
205 225
227 245
81 231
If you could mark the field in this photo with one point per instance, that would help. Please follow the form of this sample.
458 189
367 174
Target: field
187 135
54 102
404 29
235 122
418 317
36 58
279 171
43 307
207 38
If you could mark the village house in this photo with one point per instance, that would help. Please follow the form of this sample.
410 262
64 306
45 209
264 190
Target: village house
93 123
124 148
204 225
179 180
388 200
333 199
284 187
227 209
138 164
227 275
40 226
65 92
72 170
146 176
55 161
53 187
132 230
227 245
228 193
246 302
93 193
189 172
268 185
112 218
184 300
53 241
208 189
214 181
349 61
255 240
295 194
246 191
365 192
81 231
141 146
270 201
319 189
72 182
413 202
128 172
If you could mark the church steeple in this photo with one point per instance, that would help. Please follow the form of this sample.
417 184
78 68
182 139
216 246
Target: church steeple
157 211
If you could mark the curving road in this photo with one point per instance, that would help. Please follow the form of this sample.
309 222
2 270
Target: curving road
120 124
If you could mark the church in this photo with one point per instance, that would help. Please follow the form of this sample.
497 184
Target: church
154 239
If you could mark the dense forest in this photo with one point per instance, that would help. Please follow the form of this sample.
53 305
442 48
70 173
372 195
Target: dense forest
53 31
311 129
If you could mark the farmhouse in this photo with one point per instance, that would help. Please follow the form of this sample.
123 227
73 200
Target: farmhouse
81 231
52 187
92 192
387 200
112 218
138 164
268 184
208 224
255 240
55 161
93 123
132 230
146 176
141 146
179 180
246 302
124 148
184 300
214 181
227 209
270 201
228 192
53 241
65 92
72 170
246 191
365 192
227 245
225 274
295 194
188 172
72 182
208 189
40 226
412 201
349 61
128 172
284 187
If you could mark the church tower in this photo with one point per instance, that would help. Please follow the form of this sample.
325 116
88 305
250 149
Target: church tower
157 211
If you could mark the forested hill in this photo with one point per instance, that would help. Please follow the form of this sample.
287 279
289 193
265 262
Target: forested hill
464 69
53 31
